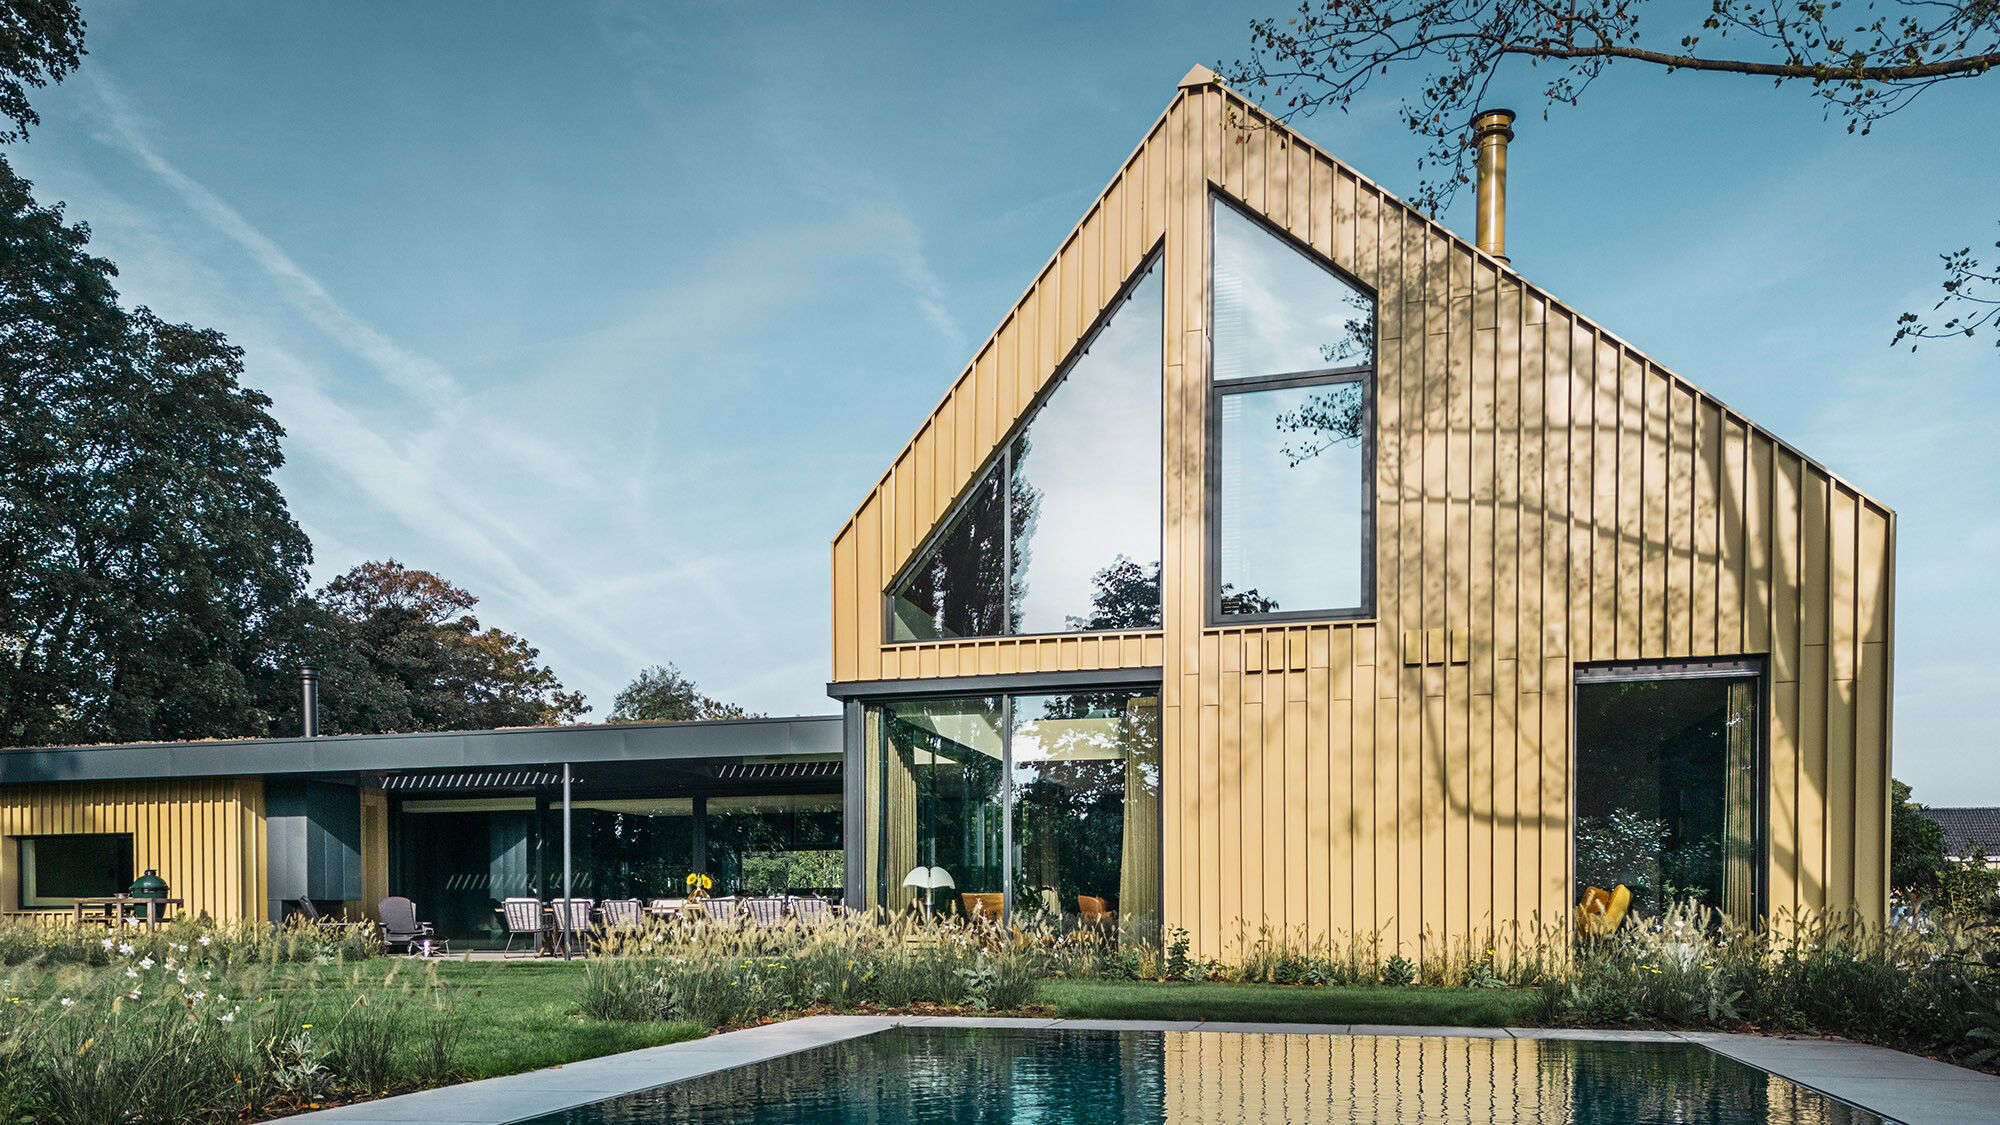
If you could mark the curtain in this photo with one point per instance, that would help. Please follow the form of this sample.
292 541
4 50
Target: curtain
1739 825
1139 860
900 818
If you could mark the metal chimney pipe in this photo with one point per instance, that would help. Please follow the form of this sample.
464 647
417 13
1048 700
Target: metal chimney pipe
309 704
1491 131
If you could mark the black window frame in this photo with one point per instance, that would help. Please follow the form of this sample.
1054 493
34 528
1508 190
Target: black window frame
1003 462
1755 668
31 841
1363 374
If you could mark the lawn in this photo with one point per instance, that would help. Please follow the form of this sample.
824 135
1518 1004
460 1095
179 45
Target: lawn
1271 1003
521 1015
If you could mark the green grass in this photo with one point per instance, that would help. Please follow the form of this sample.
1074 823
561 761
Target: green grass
1270 1003
523 1015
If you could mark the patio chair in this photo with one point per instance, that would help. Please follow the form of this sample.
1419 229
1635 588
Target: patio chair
311 914
1094 911
572 919
719 909
664 906
764 911
400 927
524 916
620 912
811 910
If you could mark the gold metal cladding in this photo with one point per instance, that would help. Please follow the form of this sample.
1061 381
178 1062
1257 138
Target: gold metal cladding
1491 131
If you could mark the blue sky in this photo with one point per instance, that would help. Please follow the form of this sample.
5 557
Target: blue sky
610 312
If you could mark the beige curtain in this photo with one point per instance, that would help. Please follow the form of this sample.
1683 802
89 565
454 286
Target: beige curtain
1139 861
900 815
1739 827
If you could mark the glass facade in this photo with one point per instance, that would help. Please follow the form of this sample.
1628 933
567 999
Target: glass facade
1042 800
1293 355
1667 774
458 856
1063 531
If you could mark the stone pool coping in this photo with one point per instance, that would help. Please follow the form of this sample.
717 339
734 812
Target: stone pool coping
1902 1087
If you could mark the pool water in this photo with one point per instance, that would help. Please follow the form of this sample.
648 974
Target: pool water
910 1076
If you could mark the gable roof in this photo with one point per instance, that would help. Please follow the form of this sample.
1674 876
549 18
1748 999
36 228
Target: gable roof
1967 829
1209 135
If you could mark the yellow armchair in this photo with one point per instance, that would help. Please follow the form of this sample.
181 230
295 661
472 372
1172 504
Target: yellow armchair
1600 911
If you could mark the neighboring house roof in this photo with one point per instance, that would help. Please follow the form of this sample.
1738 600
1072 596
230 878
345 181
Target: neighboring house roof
815 735
1968 829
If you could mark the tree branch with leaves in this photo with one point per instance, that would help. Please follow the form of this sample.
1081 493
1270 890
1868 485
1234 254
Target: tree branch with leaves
1865 62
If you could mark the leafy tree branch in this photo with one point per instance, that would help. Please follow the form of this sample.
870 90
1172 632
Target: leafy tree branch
1865 62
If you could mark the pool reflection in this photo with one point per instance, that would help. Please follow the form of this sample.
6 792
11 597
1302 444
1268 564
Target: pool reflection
975 1077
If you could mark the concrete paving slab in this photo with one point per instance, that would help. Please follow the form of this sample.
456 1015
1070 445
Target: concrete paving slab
1590 1035
1399 1031
1277 1028
1128 1025
980 1021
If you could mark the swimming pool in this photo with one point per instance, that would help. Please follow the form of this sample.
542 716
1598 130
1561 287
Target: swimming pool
912 1076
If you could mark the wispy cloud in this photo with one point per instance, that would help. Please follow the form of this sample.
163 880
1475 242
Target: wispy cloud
401 478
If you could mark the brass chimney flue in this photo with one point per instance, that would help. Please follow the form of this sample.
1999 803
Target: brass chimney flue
1491 131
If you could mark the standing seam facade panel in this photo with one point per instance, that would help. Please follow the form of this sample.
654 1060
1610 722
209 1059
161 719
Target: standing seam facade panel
205 837
1539 485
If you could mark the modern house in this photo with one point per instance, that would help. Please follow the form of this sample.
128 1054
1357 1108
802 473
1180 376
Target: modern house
1284 558
243 829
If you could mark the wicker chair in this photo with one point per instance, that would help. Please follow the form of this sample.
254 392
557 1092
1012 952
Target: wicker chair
620 912
572 919
810 911
524 916
764 911
719 909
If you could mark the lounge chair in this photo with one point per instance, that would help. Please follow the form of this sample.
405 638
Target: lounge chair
524 916
400 927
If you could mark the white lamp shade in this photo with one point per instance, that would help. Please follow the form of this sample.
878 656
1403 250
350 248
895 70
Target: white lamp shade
928 878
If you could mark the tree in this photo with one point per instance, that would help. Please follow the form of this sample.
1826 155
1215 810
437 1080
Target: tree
41 41
1916 846
400 650
661 694
1864 64
149 567
1124 595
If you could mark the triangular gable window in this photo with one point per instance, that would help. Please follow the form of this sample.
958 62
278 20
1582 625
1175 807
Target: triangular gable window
1293 367
1062 532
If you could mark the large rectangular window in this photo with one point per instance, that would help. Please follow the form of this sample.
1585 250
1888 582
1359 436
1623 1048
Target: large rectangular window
1046 806
1293 373
1668 766
58 870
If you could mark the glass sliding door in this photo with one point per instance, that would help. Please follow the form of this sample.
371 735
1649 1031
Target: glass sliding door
1668 772
1047 803
1086 784
942 805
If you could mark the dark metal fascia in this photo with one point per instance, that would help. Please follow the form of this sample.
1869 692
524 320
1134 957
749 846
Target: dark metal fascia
374 753
1011 683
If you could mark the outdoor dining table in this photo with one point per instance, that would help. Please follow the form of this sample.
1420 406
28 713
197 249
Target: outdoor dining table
114 905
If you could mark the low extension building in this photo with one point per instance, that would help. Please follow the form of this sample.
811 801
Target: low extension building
455 821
